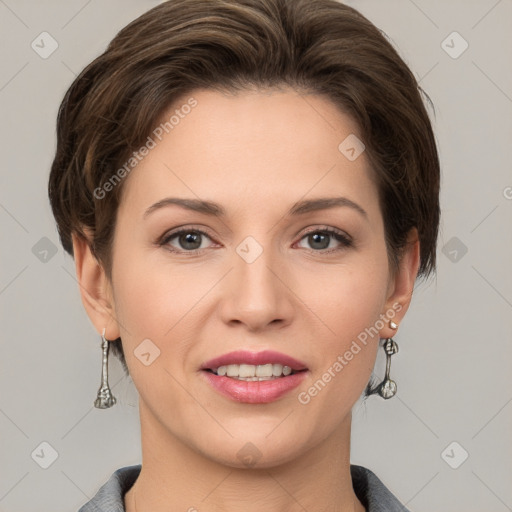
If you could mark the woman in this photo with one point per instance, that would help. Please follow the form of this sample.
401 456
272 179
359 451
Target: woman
250 190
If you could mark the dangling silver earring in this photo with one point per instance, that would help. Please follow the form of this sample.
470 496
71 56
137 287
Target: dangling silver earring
105 399
387 387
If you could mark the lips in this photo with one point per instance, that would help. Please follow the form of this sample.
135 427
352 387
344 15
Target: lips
254 358
255 390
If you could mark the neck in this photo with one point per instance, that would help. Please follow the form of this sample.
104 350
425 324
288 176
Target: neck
175 477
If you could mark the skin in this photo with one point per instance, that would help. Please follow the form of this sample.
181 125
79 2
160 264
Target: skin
255 153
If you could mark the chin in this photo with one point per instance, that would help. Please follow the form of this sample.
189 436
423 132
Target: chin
255 448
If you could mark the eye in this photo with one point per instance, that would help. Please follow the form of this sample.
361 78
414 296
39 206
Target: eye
320 239
189 240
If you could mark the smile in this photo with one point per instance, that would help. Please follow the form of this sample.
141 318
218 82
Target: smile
253 373
254 377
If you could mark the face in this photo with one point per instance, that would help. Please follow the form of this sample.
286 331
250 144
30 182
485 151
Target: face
270 271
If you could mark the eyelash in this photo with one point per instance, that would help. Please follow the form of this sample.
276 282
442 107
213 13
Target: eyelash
345 241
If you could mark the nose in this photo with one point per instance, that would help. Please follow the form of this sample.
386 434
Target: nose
257 293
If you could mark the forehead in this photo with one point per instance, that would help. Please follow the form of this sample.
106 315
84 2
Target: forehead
253 146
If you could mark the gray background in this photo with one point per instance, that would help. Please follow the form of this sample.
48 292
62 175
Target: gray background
454 365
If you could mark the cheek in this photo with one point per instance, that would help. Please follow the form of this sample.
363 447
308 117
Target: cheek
347 303
150 298
344 356
157 302
343 300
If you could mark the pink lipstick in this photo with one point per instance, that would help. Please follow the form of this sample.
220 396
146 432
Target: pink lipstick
254 377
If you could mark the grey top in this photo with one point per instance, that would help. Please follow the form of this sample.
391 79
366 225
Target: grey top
371 492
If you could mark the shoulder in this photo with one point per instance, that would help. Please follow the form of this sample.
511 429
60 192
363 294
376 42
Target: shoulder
372 493
110 496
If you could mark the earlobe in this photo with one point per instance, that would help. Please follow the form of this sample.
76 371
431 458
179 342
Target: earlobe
94 288
402 284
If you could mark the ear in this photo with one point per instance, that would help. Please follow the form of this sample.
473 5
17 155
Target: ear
401 284
95 288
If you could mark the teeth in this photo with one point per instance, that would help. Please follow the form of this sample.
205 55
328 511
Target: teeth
252 372
262 370
232 370
277 369
246 370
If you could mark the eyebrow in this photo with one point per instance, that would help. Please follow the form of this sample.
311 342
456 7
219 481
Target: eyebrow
216 210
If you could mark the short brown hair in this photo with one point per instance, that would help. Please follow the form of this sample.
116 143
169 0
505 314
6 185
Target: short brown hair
317 46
